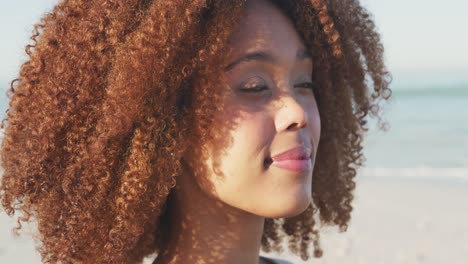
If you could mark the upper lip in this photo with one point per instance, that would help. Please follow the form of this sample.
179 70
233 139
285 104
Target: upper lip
297 153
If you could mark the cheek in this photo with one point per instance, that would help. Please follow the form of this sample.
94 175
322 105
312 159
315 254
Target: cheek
241 161
250 141
314 121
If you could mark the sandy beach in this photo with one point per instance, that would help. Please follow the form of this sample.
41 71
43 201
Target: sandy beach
402 221
395 221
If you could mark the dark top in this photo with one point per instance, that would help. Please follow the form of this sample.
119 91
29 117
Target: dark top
265 260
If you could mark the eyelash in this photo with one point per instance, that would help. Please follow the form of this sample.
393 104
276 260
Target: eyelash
258 88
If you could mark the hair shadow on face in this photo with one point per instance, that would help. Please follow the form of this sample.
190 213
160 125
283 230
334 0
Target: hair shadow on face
209 125
211 141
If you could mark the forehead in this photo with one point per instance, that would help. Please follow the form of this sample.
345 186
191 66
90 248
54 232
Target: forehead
264 26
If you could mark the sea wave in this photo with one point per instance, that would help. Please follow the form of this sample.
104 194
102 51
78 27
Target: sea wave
437 91
417 172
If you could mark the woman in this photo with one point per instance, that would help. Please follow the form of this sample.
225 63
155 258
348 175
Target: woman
190 129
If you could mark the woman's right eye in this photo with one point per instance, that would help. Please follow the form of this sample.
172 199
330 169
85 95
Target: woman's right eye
255 84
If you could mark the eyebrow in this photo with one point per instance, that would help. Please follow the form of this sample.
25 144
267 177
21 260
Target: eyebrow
264 56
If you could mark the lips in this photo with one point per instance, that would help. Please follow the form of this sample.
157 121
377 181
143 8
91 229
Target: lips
297 153
297 159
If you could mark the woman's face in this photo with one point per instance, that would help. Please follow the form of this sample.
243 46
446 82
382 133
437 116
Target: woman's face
269 108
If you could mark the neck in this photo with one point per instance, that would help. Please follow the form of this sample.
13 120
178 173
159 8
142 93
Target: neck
202 229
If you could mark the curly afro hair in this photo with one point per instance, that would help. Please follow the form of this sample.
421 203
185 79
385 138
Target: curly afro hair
114 92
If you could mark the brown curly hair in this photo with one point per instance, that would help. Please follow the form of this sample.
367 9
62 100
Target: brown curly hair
114 92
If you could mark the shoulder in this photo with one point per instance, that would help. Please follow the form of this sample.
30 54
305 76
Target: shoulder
276 261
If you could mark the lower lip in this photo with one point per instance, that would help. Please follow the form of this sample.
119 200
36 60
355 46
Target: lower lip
294 165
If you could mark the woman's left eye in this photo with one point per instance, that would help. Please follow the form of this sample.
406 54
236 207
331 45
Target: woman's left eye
309 85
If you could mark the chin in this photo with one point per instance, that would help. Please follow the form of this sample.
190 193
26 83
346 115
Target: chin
286 209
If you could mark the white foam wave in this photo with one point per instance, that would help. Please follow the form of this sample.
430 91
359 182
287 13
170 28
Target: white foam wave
416 172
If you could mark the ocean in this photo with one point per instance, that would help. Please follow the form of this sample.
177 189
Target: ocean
428 135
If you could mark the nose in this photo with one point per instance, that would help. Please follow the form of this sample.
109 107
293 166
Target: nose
290 114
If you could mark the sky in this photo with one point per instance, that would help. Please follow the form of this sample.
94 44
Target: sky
425 40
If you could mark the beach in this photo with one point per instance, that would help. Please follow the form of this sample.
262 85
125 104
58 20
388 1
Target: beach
395 220
401 220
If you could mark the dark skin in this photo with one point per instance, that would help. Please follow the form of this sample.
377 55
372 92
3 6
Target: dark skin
225 225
